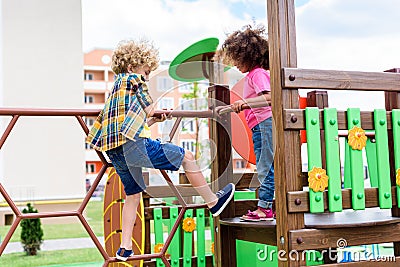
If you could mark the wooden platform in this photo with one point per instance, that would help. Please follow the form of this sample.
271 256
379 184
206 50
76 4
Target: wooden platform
265 231
347 218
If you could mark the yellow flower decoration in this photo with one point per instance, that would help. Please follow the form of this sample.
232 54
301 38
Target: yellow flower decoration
398 177
158 247
189 225
357 138
212 247
317 179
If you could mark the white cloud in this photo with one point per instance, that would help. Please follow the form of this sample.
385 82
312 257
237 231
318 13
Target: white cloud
331 34
172 25
352 35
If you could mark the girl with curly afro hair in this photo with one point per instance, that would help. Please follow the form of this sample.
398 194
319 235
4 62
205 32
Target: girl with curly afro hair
247 49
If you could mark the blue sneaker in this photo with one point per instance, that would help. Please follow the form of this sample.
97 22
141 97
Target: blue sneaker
124 254
224 196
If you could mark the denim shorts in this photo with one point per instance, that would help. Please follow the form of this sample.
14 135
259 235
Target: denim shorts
129 159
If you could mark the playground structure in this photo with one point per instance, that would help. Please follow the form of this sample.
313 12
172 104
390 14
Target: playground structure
306 220
297 228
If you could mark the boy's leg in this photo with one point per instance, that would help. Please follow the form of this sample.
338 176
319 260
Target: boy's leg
197 180
128 219
215 202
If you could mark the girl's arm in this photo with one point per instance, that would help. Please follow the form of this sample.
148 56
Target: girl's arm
237 106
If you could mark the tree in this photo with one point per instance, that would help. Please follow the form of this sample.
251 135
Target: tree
31 232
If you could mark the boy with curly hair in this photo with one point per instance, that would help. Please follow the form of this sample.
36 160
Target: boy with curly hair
121 130
247 49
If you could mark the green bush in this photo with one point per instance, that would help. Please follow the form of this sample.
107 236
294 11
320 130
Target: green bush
31 232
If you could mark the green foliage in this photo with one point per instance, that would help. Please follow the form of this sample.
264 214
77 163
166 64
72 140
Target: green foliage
31 232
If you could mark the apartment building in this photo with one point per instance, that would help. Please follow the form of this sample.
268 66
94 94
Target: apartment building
167 93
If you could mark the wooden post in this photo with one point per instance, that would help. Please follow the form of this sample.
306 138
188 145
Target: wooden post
392 101
222 173
287 161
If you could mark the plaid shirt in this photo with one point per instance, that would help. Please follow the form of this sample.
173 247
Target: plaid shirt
123 114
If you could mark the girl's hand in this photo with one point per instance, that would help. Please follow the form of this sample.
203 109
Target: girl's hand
237 106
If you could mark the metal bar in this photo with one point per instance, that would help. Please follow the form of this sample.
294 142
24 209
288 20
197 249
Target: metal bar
185 113
174 128
166 262
83 124
138 257
48 112
173 230
173 188
9 201
93 236
8 130
9 234
49 214
92 188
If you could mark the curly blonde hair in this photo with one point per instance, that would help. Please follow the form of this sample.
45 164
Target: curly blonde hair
135 53
247 47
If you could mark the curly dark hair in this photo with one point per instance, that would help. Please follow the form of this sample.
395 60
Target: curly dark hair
247 47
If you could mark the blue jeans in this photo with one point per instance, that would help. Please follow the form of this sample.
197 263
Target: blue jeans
263 149
129 158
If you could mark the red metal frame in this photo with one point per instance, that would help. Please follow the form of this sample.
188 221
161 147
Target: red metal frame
16 113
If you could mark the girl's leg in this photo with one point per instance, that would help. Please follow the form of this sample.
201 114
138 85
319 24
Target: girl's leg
196 178
128 219
263 148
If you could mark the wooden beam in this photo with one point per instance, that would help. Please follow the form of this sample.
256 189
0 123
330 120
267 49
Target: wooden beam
299 201
306 239
340 80
294 119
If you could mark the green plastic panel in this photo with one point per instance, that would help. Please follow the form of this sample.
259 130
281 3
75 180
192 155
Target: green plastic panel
187 243
347 170
356 164
396 142
211 218
174 247
158 231
314 154
201 238
333 160
370 151
382 156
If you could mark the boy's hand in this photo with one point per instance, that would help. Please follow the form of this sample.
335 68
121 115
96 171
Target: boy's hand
153 120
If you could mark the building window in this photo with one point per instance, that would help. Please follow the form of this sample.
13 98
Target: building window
186 104
187 125
89 122
166 103
88 76
188 145
165 126
185 87
90 168
164 84
89 99
240 164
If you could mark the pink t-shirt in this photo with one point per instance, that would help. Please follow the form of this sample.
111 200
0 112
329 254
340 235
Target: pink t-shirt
256 82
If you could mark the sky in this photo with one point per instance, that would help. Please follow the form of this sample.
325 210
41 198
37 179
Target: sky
362 35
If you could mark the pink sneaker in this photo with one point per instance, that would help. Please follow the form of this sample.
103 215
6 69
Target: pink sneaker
254 216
